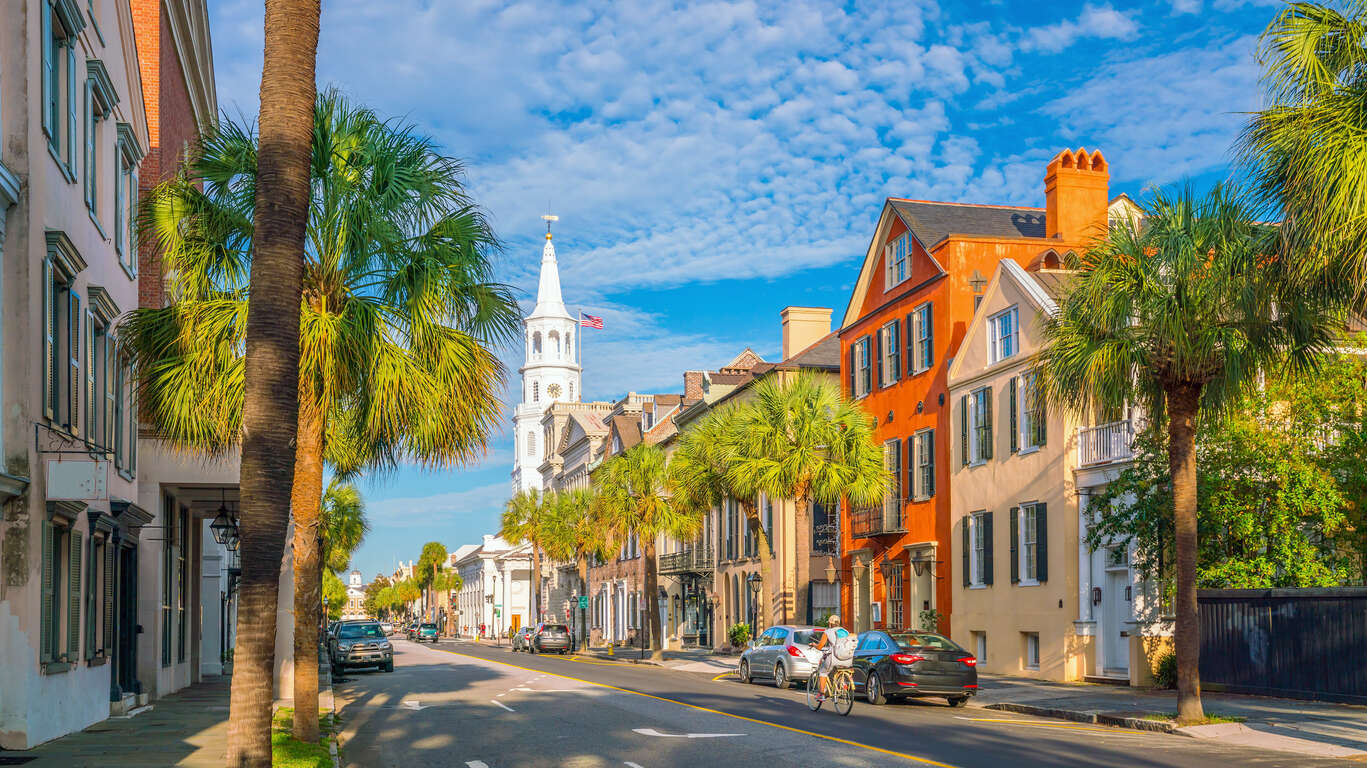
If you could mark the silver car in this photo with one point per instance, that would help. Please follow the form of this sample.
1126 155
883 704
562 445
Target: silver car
782 654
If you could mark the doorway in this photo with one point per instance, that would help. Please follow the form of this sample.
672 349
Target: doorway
1116 613
125 675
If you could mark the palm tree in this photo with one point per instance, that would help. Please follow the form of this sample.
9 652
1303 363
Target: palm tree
799 438
397 314
269 388
574 533
1305 151
427 573
343 525
1180 312
633 498
524 522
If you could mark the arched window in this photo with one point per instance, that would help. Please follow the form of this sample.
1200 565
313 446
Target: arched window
569 345
555 343
536 343
1051 260
531 443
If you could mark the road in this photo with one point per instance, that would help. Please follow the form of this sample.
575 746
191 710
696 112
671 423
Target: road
463 704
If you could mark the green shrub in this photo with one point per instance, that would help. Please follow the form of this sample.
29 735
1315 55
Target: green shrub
1165 671
738 634
930 620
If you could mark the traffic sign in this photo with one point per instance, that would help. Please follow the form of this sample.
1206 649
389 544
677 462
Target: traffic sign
583 602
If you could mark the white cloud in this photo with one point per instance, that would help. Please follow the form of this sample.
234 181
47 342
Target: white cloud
1095 21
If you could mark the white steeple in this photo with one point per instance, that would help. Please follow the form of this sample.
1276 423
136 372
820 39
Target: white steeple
551 372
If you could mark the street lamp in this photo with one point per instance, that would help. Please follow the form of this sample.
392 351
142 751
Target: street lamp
753 582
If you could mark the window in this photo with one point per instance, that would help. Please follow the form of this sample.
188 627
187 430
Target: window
61 24
861 368
895 599
99 102
1031 660
898 265
99 612
125 417
126 158
977 547
531 443
60 596
183 588
889 353
571 391
62 337
920 339
1003 332
536 344
892 498
536 391
1029 544
1028 425
168 577
921 464
980 645
975 426
824 601
877 612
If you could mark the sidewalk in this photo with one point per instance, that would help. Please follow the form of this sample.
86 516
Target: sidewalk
1304 727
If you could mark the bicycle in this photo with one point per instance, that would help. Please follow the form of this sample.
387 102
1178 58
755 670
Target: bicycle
841 690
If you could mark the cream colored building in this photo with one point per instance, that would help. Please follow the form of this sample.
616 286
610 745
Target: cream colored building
1030 598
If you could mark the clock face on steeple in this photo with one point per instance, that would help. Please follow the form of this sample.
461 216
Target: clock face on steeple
553 391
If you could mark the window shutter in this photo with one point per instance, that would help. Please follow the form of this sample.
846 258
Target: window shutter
911 344
963 428
928 355
987 426
110 552
45 643
89 152
930 463
73 348
49 337
118 200
854 368
49 74
912 468
73 617
1042 420
987 547
110 397
1014 428
878 355
968 550
897 477
90 601
133 219
118 415
1041 542
1015 539
895 349
71 104
132 427
92 402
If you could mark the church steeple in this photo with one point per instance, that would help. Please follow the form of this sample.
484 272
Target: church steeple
548 300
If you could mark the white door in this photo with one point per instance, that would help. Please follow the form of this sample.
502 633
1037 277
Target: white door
1115 639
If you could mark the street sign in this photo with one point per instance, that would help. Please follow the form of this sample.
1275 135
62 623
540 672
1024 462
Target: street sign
583 602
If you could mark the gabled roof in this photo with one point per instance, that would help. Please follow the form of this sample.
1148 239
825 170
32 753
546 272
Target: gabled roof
1042 293
626 428
1053 281
932 222
823 354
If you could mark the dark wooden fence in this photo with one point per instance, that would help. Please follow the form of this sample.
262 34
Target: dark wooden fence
1298 643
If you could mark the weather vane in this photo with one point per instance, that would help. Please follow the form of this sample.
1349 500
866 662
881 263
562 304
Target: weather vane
548 218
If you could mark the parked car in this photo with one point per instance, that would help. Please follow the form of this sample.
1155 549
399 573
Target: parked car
549 638
411 630
890 665
360 644
387 628
521 639
426 632
782 654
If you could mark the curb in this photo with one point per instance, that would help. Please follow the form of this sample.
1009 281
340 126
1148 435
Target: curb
1096 718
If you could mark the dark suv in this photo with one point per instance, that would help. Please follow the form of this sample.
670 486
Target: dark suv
360 644
549 638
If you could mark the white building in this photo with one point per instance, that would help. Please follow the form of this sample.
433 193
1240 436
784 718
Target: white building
355 597
495 587
551 373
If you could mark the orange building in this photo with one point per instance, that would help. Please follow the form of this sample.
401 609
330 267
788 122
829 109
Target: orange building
927 268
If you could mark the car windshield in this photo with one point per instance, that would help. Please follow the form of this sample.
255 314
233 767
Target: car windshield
428 626
355 631
925 640
804 636
555 628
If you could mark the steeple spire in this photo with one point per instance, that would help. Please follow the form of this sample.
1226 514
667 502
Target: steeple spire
548 300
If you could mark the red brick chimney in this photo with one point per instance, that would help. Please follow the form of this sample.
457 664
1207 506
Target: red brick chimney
1076 195
692 386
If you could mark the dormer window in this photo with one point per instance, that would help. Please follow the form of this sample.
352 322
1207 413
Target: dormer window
897 261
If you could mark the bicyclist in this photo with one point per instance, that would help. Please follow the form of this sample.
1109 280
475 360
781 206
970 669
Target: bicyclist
837 650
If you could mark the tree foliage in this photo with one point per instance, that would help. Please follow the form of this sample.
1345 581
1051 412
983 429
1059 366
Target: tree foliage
334 591
343 524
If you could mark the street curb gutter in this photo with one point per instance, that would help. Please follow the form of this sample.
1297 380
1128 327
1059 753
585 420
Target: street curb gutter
1098 718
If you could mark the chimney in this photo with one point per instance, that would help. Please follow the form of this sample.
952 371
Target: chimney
803 327
693 389
1076 195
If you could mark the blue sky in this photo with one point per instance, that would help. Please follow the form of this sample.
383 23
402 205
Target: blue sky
712 163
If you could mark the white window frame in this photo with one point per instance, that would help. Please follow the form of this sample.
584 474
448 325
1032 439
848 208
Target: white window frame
924 442
997 342
1026 546
1031 658
890 354
977 418
1025 416
978 555
897 258
922 334
863 357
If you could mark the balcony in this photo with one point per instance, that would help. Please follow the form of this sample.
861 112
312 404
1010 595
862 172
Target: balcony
1105 443
876 521
826 539
696 559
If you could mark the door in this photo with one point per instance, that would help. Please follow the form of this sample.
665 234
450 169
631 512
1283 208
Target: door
126 623
1116 641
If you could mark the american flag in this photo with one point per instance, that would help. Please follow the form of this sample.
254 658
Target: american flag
591 321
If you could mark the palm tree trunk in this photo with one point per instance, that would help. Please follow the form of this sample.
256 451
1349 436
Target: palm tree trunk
305 502
582 565
271 368
1183 404
765 613
802 556
652 589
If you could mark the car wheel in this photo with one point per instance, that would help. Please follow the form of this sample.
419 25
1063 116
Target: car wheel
873 690
781 680
388 667
531 648
958 701
744 672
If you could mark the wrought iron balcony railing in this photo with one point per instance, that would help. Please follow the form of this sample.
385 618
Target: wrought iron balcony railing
695 559
876 521
1105 443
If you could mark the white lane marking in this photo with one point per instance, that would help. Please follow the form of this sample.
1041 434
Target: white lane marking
523 689
414 705
501 695
476 764
630 764
505 706
653 732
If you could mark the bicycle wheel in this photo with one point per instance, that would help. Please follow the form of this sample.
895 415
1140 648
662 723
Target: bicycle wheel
813 693
843 695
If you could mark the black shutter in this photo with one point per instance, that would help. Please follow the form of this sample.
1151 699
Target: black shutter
897 478
912 469
878 355
930 335
1042 421
911 344
854 368
1015 446
48 597
895 349
968 547
1041 542
110 551
987 431
930 462
1015 537
963 428
987 547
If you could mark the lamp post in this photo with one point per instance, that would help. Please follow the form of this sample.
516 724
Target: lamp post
753 583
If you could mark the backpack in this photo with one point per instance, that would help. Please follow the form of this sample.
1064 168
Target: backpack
843 647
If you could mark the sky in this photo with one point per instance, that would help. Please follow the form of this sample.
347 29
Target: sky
712 163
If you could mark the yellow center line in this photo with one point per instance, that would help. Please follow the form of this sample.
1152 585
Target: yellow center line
913 758
724 674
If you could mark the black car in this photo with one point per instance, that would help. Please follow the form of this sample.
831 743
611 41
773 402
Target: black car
890 665
360 644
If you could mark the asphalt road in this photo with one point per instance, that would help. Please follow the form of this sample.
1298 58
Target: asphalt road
462 704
